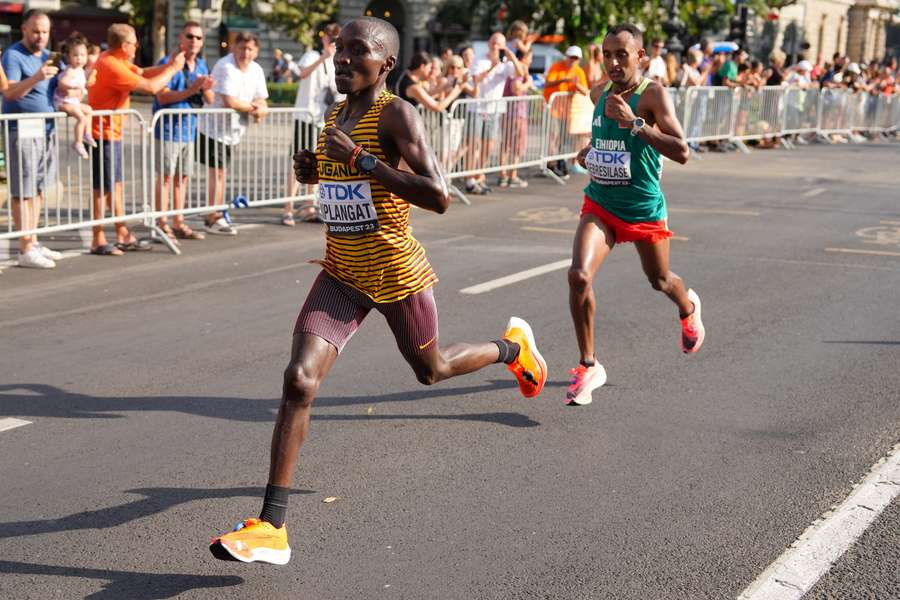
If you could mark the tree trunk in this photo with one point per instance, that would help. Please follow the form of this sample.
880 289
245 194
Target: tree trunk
158 30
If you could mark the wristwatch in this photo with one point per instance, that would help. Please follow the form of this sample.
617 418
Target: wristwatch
366 164
637 125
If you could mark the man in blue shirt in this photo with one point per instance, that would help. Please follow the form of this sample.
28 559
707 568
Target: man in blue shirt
32 142
175 133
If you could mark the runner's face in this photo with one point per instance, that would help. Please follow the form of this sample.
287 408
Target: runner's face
621 56
359 59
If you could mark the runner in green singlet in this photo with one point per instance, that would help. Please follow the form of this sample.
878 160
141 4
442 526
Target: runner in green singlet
634 126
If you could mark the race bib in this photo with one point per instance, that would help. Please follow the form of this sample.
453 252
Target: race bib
347 208
609 167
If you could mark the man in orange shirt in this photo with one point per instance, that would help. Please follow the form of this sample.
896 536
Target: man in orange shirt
116 77
565 75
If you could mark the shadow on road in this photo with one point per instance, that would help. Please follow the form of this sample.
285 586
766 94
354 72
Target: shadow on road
127 584
40 400
156 500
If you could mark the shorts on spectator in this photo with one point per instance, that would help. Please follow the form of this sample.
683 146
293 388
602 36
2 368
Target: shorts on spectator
213 153
106 166
174 158
304 137
32 164
487 126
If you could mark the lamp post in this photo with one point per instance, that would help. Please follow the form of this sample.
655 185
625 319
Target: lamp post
674 27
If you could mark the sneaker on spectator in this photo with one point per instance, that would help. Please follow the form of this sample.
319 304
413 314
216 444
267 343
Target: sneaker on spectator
220 227
47 252
515 182
475 188
503 182
33 259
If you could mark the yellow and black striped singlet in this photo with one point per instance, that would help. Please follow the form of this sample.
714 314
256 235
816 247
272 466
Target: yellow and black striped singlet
388 264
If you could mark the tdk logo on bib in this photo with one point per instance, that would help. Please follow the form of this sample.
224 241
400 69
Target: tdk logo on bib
347 207
343 191
609 163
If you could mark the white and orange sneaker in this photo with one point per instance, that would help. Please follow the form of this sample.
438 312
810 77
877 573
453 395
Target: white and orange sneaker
692 330
253 541
529 367
584 381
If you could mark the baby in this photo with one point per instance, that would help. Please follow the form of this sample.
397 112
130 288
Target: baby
71 89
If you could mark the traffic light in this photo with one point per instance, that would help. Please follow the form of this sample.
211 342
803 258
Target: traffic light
737 30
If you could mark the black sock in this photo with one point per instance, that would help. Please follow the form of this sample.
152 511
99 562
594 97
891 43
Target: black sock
509 351
588 363
275 505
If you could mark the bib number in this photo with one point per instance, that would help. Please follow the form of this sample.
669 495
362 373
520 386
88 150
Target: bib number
347 207
609 167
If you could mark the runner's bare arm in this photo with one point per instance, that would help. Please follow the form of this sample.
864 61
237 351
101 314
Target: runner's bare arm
662 131
403 138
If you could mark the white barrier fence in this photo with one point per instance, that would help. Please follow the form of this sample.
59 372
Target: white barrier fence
202 161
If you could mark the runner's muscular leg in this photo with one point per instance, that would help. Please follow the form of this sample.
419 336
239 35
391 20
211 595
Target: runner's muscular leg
414 322
593 242
655 262
311 359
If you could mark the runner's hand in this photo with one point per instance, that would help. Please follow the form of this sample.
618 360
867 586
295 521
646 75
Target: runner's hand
305 167
617 109
338 145
582 155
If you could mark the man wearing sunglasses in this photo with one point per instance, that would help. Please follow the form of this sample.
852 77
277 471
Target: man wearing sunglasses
176 133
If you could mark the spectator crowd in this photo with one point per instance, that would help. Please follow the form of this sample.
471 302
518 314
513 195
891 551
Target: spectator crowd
83 78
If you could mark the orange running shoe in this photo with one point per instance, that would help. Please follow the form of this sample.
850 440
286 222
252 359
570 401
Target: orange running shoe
253 541
692 330
529 367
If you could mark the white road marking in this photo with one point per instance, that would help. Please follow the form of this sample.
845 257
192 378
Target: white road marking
10 423
716 211
487 286
814 192
812 555
679 238
889 222
856 251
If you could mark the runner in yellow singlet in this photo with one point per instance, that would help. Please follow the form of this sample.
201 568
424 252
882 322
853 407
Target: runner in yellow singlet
372 261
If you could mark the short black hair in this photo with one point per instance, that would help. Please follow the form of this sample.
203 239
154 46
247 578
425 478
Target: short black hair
418 59
631 28
386 33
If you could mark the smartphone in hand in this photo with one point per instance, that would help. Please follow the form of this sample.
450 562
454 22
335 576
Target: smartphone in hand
55 59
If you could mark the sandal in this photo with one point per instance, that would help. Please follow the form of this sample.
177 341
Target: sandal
106 250
186 233
134 245
309 214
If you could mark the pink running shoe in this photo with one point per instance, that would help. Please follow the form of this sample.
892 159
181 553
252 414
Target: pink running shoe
584 381
692 330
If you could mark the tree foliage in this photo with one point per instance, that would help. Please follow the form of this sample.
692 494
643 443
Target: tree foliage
582 21
298 20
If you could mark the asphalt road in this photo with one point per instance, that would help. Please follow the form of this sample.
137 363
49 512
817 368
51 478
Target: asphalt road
150 383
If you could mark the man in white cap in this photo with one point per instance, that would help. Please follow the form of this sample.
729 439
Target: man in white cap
800 75
565 75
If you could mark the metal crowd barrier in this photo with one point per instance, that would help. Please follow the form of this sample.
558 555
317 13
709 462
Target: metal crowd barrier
168 167
209 160
41 161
